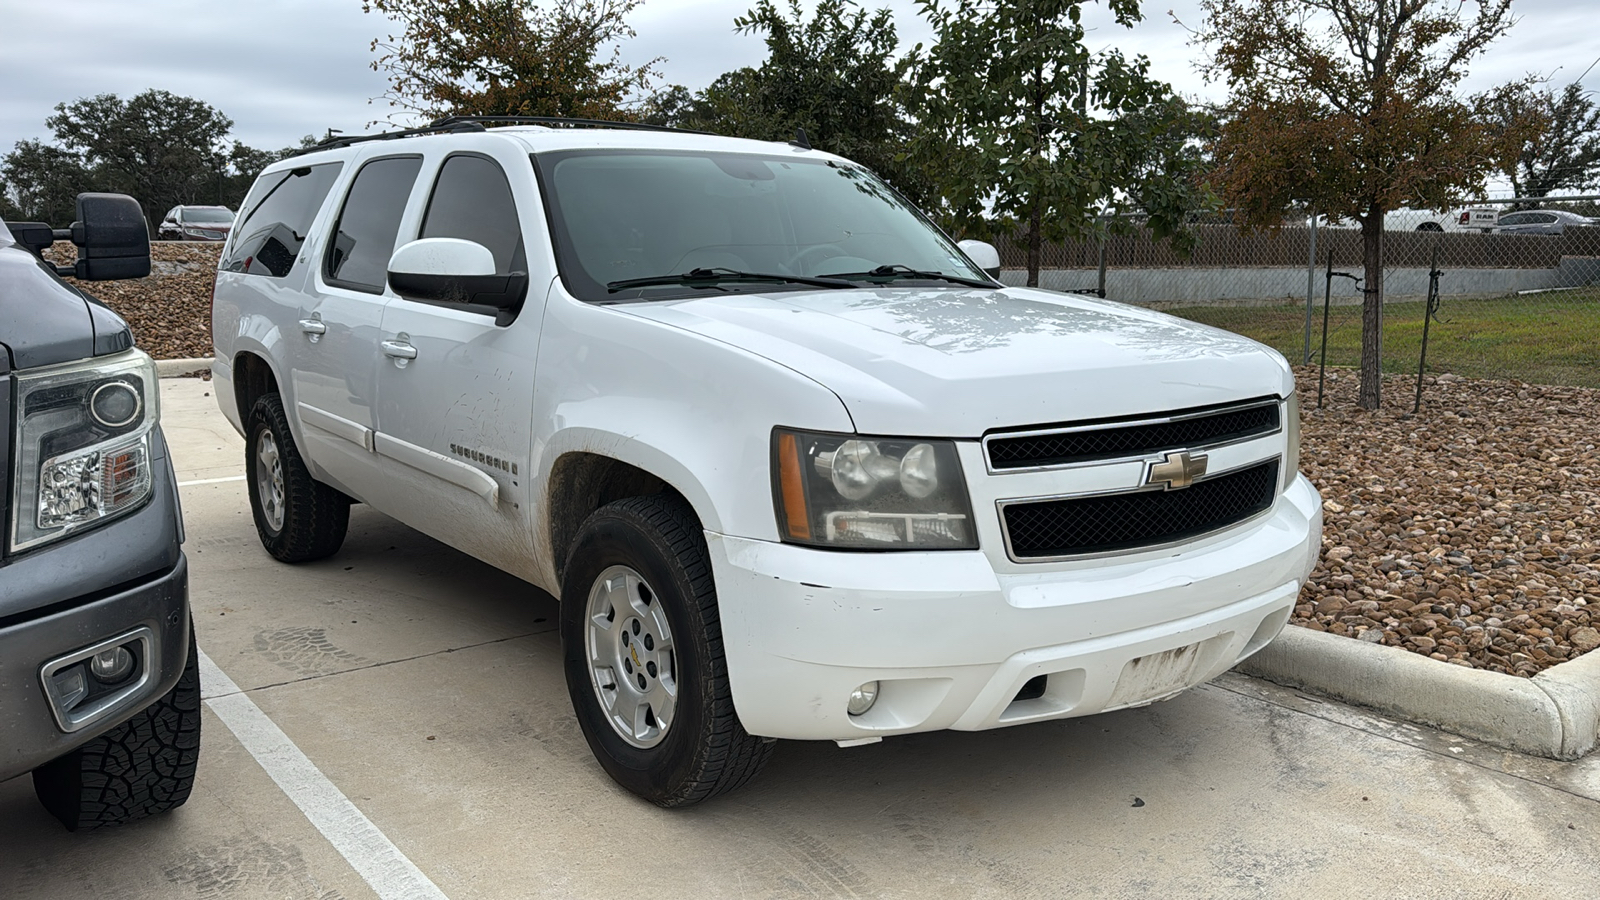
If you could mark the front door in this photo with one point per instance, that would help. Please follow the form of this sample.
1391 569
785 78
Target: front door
456 393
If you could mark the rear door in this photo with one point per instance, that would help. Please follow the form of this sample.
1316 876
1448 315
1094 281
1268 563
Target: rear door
337 325
454 410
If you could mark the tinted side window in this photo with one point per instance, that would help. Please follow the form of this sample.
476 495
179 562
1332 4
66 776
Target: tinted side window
363 240
1514 219
472 201
275 217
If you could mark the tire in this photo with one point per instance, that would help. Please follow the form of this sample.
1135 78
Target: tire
702 750
298 518
1430 226
142 767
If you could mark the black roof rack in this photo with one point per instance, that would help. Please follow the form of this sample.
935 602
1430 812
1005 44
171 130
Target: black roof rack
558 122
460 124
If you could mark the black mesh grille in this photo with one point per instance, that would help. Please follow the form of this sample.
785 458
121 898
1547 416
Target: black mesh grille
1139 519
1132 440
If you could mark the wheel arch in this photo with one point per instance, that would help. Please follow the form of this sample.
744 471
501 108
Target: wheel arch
582 481
253 378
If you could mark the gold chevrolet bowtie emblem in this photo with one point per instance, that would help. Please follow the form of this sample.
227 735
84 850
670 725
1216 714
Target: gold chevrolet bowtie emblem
1177 469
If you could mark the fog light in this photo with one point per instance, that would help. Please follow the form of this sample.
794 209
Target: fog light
862 698
111 666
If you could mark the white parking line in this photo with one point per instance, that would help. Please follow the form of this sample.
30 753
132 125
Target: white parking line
211 480
367 849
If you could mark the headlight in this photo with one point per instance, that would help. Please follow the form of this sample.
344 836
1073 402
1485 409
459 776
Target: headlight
840 490
83 445
1291 432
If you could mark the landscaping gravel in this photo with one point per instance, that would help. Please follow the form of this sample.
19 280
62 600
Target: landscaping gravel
1467 532
170 310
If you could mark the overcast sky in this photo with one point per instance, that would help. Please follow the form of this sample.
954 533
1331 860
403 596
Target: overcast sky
285 68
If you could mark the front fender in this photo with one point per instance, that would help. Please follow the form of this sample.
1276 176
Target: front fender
690 410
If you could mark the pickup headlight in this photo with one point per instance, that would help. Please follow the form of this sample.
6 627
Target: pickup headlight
1291 432
82 445
845 491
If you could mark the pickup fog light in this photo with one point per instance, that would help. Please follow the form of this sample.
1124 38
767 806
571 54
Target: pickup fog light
862 698
837 490
111 666
83 446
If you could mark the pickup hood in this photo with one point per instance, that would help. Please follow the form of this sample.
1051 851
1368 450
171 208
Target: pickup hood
959 362
44 321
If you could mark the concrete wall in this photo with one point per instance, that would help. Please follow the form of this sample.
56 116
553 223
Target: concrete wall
1196 286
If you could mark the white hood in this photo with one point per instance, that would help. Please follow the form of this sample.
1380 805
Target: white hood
957 363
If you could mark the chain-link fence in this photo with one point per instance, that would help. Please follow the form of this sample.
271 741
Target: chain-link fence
1516 287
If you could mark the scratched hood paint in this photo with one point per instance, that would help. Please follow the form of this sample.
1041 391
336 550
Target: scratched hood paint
960 362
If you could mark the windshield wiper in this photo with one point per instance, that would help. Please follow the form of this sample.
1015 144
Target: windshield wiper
896 272
718 274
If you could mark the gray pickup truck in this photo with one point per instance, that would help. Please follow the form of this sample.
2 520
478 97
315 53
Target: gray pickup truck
99 679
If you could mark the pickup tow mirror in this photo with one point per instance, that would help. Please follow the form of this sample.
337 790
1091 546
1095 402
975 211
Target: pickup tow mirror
983 255
456 272
111 233
112 237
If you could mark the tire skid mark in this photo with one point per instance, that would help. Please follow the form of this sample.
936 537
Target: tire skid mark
222 870
305 650
792 862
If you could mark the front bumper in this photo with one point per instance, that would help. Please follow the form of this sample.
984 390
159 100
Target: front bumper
29 733
952 642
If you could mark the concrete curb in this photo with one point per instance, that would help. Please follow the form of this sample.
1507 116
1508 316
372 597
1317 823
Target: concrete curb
1555 714
171 368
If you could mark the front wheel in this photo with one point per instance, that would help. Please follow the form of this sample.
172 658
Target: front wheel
642 641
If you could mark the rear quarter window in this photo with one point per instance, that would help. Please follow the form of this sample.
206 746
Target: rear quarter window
275 217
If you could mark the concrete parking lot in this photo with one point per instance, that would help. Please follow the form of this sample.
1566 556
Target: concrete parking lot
397 725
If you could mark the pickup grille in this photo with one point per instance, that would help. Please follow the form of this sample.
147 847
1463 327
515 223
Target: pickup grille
1193 429
1104 523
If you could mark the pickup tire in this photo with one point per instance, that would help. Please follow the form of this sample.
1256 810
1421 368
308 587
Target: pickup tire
656 547
140 768
298 518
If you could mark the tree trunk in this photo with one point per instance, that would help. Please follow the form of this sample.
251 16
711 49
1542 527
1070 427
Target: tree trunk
1035 244
1372 311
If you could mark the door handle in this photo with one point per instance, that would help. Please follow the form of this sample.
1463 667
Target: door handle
313 328
399 350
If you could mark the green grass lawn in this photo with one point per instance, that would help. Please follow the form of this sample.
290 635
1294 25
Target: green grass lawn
1551 338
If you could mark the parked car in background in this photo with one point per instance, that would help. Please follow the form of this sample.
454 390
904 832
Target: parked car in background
99 675
1542 221
196 223
1473 218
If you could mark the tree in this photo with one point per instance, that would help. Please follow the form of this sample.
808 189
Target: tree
161 148
1350 106
43 183
834 75
1021 126
508 57
1560 147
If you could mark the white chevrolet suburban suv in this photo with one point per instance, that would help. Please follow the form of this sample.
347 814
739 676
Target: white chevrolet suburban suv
795 464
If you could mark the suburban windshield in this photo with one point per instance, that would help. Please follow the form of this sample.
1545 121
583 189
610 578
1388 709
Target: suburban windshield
659 225
207 215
